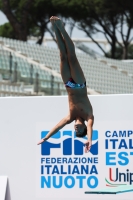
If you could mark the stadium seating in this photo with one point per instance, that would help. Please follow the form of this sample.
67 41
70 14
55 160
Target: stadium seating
106 76
16 89
121 66
24 73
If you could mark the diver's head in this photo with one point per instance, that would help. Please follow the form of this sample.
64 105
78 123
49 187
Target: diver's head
80 128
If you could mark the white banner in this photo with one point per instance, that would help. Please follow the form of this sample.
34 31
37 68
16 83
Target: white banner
59 168
63 167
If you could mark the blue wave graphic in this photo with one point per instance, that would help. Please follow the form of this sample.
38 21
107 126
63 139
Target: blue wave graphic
46 146
55 136
69 133
94 135
94 149
78 147
79 150
67 143
67 146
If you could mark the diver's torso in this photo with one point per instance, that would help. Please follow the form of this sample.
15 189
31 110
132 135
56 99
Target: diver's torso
79 103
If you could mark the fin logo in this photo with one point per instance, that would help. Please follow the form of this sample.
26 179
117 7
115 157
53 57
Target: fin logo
67 145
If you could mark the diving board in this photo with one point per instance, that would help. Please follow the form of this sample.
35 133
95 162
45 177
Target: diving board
116 190
4 188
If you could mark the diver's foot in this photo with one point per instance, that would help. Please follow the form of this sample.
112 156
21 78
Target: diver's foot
57 21
52 20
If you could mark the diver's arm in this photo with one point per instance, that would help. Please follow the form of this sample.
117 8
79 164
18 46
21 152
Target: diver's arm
60 125
88 143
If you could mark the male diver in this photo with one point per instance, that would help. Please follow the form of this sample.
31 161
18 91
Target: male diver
80 109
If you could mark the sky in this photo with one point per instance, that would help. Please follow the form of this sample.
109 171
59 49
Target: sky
3 18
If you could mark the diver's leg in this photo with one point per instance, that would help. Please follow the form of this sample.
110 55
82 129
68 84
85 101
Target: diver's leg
76 71
64 64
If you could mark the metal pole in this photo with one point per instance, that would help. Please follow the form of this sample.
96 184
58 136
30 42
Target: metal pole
58 88
15 72
52 84
10 66
31 74
37 83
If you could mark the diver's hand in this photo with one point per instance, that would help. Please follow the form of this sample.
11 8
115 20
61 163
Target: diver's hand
88 144
41 141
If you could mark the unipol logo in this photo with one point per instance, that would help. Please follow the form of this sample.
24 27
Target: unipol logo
68 143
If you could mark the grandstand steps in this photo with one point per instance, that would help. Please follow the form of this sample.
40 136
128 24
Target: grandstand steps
103 75
16 89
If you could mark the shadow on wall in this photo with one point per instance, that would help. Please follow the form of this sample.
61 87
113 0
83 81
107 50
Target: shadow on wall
8 194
